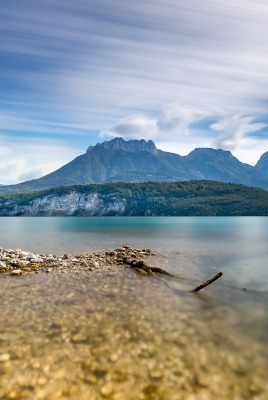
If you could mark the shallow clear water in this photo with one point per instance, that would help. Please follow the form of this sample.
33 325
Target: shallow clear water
235 245
82 233
117 335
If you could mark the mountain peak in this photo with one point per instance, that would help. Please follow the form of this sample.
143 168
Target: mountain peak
131 146
209 152
120 160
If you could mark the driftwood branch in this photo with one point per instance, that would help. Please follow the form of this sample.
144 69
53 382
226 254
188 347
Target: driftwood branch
142 266
208 282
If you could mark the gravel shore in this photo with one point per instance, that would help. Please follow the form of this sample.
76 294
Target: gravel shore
19 262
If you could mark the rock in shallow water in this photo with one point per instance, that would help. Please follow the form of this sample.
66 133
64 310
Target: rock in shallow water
16 272
4 357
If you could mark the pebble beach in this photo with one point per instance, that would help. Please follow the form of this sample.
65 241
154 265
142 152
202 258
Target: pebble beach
86 326
19 262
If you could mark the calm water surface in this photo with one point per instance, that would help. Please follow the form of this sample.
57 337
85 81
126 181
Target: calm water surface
237 246
117 335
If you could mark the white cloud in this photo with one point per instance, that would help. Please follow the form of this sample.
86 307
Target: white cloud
175 120
137 126
4 150
233 130
10 169
29 159
178 118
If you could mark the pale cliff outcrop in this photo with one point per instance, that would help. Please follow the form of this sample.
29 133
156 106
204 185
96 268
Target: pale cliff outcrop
73 203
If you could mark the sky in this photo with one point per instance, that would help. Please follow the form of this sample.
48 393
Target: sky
184 74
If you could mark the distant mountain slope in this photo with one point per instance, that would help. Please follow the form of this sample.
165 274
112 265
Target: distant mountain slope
191 198
118 160
221 165
262 164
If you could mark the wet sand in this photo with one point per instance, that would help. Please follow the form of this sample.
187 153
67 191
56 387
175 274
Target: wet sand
103 331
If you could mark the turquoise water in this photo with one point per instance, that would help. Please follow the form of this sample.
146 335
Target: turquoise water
235 245
119 335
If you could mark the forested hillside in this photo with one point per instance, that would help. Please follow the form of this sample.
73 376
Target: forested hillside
191 198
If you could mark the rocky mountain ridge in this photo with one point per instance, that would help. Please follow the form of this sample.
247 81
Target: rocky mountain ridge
131 146
118 160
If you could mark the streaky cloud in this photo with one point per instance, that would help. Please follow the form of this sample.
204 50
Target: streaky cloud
114 66
232 130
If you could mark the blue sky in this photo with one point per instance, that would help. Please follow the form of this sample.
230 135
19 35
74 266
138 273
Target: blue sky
184 74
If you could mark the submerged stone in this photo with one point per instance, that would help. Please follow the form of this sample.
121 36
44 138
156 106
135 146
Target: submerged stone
16 272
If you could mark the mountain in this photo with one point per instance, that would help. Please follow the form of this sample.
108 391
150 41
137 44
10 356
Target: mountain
118 160
221 165
262 164
190 198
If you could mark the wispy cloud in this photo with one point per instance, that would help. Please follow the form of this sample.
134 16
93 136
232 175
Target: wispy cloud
28 159
179 118
139 55
174 120
86 65
133 126
232 130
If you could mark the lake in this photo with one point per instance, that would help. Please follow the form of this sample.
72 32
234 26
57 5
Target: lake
118 335
237 245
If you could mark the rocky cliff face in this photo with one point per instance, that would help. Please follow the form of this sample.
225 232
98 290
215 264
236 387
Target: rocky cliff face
130 146
69 204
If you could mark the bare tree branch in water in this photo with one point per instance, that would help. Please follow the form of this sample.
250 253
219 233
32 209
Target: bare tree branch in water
142 266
